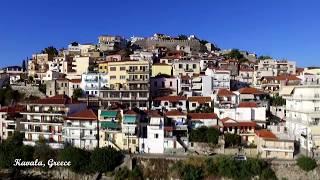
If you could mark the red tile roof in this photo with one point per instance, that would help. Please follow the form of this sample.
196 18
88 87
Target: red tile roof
171 98
130 112
200 99
13 109
153 113
225 92
287 78
175 113
250 90
75 80
195 116
87 114
247 104
265 134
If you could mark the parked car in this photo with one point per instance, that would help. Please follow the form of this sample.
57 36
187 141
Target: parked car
240 158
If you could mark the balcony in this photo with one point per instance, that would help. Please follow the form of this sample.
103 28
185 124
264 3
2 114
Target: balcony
47 112
277 148
137 71
138 81
38 121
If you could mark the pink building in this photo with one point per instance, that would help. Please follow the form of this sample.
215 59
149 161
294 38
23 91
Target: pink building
164 85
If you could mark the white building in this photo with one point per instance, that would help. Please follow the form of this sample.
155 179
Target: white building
154 143
45 119
202 86
220 78
170 103
203 119
92 83
303 116
81 129
10 120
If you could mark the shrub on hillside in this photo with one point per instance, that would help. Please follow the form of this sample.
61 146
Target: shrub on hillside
78 158
306 163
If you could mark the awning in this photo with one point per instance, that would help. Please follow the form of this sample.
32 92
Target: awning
110 125
109 114
129 119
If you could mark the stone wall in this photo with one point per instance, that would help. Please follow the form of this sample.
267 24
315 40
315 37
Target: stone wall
28 90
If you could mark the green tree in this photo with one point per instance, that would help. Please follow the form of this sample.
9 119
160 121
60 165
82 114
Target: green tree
264 57
42 88
232 140
212 135
306 163
105 159
77 93
78 158
268 174
277 101
43 152
24 67
51 51
234 54
204 134
191 172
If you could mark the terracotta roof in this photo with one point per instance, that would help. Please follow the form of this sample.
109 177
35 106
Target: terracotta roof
13 109
59 99
250 90
175 113
130 112
237 123
265 134
308 74
75 80
225 92
153 113
287 78
87 114
247 104
171 98
200 99
195 116
224 120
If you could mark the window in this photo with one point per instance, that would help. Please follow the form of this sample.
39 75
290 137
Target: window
122 68
122 77
194 104
133 141
316 108
100 67
156 136
113 77
180 66
268 153
162 84
125 142
166 103
170 83
194 66
155 84
113 68
90 132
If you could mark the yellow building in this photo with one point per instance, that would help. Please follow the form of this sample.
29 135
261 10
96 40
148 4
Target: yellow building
103 67
128 74
161 68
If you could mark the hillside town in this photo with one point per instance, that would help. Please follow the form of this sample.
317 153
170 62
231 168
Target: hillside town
163 95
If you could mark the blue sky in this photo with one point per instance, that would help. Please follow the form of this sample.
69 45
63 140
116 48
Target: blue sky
280 28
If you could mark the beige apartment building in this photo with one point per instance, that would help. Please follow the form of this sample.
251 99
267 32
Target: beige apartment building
271 146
